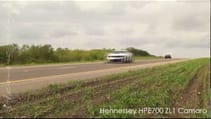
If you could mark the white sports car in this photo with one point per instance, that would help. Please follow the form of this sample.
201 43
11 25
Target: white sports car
121 56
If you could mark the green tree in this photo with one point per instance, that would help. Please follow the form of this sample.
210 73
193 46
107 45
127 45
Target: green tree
138 52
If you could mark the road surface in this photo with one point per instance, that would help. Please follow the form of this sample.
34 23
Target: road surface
23 78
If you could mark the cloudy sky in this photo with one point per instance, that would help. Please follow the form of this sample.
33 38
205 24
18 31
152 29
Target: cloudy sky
180 27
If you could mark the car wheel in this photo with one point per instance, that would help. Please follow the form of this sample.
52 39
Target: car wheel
131 60
128 60
124 60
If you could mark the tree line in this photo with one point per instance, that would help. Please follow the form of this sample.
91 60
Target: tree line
26 54
138 52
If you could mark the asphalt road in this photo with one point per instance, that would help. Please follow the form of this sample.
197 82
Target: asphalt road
19 73
23 78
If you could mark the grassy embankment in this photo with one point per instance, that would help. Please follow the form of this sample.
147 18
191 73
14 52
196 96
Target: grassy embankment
184 84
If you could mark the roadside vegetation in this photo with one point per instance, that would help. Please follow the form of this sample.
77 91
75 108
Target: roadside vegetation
184 84
42 54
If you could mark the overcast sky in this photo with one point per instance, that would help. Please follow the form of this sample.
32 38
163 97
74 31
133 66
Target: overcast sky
158 26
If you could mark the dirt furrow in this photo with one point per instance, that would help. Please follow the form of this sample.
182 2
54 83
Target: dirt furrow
191 98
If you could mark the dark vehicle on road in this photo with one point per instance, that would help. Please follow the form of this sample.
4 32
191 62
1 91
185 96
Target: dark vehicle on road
168 56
